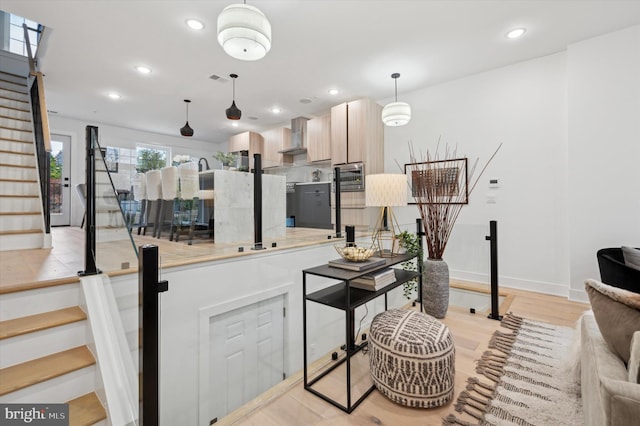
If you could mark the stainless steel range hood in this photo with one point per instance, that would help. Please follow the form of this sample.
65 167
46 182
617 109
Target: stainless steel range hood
298 137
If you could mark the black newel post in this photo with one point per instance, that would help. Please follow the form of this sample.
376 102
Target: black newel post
91 141
420 233
493 238
149 288
338 205
257 202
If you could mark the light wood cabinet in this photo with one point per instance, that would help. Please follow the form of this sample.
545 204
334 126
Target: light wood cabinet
275 140
319 138
357 134
248 141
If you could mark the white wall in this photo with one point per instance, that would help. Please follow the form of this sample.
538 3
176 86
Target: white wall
604 149
568 169
522 106
122 138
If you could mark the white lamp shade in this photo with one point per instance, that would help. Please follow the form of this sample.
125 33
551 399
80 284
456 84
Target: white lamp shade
396 114
244 32
386 190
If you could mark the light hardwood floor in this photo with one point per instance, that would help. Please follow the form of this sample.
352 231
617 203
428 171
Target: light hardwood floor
290 404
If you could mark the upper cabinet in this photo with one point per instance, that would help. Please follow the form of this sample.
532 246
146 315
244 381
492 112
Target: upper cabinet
357 134
250 142
276 140
319 138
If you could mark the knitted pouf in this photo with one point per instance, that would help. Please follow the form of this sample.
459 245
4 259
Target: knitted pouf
412 358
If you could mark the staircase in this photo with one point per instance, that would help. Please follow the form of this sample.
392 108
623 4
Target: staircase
44 357
21 220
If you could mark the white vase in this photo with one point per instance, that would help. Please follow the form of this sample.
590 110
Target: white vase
435 287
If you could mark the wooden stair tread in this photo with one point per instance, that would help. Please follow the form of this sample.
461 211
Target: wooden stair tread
19 213
14 108
15 118
2 151
15 140
19 180
12 99
45 320
17 196
39 370
19 166
86 410
16 130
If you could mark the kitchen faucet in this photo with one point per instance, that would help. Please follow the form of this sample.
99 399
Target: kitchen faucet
200 164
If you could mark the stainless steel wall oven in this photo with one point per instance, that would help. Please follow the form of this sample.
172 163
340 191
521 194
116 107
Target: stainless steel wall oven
351 177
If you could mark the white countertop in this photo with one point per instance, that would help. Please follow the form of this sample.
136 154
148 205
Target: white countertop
309 183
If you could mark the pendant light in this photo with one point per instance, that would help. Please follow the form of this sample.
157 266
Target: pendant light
396 113
187 130
244 32
233 113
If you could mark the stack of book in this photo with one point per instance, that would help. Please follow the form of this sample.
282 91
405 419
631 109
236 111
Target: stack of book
375 280
372 262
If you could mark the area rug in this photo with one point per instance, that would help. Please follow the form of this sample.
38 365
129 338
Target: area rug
528 378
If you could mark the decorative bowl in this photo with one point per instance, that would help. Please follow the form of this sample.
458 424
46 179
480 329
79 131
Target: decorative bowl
355 253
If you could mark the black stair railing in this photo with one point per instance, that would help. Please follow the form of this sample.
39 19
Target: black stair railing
41 134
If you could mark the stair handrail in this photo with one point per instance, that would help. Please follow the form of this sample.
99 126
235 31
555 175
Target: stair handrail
41 132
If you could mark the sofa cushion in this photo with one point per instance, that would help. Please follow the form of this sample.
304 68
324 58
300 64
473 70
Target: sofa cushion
634 359
617 312
631 257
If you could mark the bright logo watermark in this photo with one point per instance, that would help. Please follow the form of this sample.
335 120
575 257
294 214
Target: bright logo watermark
34 414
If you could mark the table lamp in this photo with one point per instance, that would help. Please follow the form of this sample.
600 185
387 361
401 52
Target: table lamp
386 190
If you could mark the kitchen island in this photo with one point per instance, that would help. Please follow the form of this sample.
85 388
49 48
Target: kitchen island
233 217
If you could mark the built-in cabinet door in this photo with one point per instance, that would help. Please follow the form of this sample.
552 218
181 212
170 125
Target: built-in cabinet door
339 134
357 130
247 141
275 140
319 138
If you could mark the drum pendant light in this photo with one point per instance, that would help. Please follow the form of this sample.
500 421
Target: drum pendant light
233 113
396 113
187 130
244 32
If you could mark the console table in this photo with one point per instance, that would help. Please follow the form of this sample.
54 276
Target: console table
346 298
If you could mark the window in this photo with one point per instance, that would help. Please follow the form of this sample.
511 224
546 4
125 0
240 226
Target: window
151 157
17 42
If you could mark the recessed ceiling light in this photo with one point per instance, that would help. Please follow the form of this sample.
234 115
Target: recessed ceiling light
516 33
143 70
235 124
305 101
333 91
113 95
275 110
194 24
252 118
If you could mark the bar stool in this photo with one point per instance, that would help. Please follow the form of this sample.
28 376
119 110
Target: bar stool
139 185
169 177
154 194
190 196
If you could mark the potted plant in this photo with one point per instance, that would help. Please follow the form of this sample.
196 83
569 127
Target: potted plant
441 186
410 243
226 158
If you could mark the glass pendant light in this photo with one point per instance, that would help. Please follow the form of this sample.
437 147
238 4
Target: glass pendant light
187 130
396 113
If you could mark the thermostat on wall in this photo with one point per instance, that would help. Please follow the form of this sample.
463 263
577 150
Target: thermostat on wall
493 183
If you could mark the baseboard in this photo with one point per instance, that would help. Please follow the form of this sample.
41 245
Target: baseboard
512 282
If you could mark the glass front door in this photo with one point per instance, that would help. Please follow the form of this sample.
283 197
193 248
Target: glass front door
59 189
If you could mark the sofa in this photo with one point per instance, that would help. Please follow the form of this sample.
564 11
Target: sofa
610 387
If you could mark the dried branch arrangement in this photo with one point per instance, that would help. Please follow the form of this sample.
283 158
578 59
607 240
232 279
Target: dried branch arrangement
440 187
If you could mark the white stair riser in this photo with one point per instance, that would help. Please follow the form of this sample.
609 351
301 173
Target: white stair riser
19 188
14 104
12 123
10 205
13 146
30 302
16 86
10 94
56 390
17 173
30 346
16 134
12 78
22 241
18 159
14 113
21 222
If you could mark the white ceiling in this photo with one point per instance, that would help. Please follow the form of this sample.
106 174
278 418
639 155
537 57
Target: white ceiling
353 46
